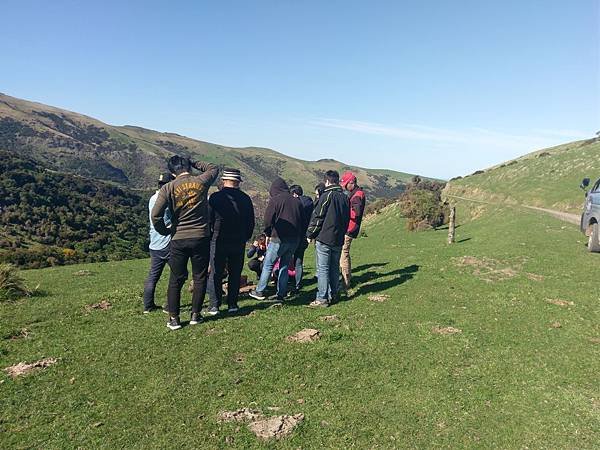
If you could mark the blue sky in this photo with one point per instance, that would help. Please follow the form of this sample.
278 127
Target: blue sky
439 88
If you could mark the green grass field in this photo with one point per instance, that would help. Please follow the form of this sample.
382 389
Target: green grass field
547 178
522 372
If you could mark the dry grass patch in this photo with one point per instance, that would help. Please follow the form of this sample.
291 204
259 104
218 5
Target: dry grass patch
378 298
305 335
103 306
22 368
331 318
264 427
488 269
558 302
446 330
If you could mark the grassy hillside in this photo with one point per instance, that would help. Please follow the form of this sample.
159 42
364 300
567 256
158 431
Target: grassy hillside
133 156
490 343
547 178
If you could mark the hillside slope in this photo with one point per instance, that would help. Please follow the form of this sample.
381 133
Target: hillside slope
133 156
51 218
547 178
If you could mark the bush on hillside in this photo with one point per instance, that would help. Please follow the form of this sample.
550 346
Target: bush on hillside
422 205
12 286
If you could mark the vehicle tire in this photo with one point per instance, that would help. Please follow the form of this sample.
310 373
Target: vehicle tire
594 239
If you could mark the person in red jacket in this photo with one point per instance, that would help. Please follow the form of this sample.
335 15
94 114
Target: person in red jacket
357 208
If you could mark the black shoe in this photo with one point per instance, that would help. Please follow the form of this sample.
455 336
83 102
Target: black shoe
257 295
279 299
233 309
151 309
196 319
174 323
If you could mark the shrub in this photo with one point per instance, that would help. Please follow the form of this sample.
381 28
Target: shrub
422 205
12 286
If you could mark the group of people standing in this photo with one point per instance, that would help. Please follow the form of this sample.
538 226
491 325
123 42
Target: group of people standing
186 224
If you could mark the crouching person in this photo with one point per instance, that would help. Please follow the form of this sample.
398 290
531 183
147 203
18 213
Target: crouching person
257 252
327 227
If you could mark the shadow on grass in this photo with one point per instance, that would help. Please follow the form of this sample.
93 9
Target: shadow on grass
368 266
463 240
400 276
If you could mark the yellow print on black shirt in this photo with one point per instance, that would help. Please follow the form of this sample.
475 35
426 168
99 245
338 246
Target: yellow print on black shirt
188 195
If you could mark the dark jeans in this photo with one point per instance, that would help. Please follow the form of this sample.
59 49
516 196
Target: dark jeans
182 250
231 255
299 261
255 266
158 260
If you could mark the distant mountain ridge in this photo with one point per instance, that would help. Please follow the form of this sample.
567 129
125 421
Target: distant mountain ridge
133 156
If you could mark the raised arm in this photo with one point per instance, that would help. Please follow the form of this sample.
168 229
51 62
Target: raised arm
210 172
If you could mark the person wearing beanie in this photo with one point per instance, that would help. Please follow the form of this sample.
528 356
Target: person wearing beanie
159 249
282 226
357 208
186 198
232 223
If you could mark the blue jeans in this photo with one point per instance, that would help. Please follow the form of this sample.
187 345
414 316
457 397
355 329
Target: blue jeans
282 249
158 261
328 271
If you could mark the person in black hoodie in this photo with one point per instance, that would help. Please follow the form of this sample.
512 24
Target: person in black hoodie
283 224
232 223
328 227
307 209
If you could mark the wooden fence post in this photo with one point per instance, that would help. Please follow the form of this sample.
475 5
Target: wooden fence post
452 225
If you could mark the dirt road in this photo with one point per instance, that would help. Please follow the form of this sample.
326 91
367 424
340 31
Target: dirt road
564 216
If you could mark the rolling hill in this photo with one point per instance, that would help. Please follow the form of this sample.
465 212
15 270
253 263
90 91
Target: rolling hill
546 178
74 189
133 156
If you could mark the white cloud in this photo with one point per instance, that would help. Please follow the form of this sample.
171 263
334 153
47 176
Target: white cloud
478 137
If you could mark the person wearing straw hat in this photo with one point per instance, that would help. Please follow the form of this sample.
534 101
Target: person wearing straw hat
232 224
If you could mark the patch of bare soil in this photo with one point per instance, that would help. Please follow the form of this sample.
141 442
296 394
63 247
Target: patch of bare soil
23 333
275 427
534 276
378 298
559 302
83 273
332 318
488 269
556 325
446 330
22 368
103 305
306 335
264 427
595 340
